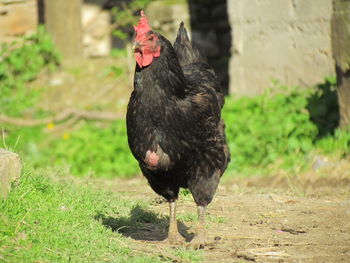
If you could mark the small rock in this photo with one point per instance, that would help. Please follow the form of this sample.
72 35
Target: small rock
319 163
64 208
10 171
275 198
56 82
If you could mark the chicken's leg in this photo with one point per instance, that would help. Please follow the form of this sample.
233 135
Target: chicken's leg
174 237
199 239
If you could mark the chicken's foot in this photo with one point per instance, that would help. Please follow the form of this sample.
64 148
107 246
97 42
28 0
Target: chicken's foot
199 239
174 237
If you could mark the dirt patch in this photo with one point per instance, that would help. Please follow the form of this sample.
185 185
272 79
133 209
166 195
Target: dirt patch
254 224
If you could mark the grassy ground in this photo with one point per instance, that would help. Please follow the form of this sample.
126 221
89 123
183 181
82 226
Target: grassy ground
51 220
54 218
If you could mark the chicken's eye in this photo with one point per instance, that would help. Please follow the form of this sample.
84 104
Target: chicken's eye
151 38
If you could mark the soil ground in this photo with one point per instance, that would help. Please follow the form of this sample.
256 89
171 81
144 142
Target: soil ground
271 219
254 220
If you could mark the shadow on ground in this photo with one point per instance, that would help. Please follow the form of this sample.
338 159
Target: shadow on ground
142 225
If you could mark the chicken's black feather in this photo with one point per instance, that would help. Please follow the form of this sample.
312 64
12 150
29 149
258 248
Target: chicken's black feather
175 113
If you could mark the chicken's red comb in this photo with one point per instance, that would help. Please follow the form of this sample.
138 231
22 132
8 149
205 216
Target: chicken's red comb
142 27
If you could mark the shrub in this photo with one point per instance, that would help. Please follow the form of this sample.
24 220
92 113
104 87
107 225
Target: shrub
21 61
267 128
100 150
270 130
94 149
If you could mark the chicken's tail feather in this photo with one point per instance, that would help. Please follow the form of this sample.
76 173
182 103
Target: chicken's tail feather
182 33
186 53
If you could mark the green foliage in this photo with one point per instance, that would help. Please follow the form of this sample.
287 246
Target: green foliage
114 71
20 63
46 220
118 52
24 140
337 144
280 130
267 128
270 131
102 151
94 149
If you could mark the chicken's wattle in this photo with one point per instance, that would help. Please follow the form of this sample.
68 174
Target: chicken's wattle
143 58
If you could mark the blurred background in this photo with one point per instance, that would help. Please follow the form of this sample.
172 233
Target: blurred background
66 74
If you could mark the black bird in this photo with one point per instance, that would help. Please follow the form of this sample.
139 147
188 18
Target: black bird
174 124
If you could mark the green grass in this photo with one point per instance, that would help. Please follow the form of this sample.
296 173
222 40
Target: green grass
193 217
268 133
95 150
51 220
187 217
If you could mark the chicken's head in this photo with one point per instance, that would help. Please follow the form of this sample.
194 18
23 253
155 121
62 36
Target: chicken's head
146 44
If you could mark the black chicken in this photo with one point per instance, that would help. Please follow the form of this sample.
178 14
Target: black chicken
174 124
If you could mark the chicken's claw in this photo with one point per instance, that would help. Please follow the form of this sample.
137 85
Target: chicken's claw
175 239
198 242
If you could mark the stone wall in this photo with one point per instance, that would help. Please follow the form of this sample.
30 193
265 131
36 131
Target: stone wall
165 16
17 18
97 40
20 18
284 40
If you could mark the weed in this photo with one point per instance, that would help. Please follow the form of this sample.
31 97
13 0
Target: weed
217 219
189 255
263 129
21 61
277 130
92 150
338 144
267 132
187 217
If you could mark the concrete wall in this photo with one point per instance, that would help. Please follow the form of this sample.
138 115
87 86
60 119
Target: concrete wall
285 40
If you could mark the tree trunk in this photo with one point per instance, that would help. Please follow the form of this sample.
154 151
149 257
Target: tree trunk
63 22
341 52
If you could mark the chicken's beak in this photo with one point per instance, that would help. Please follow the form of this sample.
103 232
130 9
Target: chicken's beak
136 45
